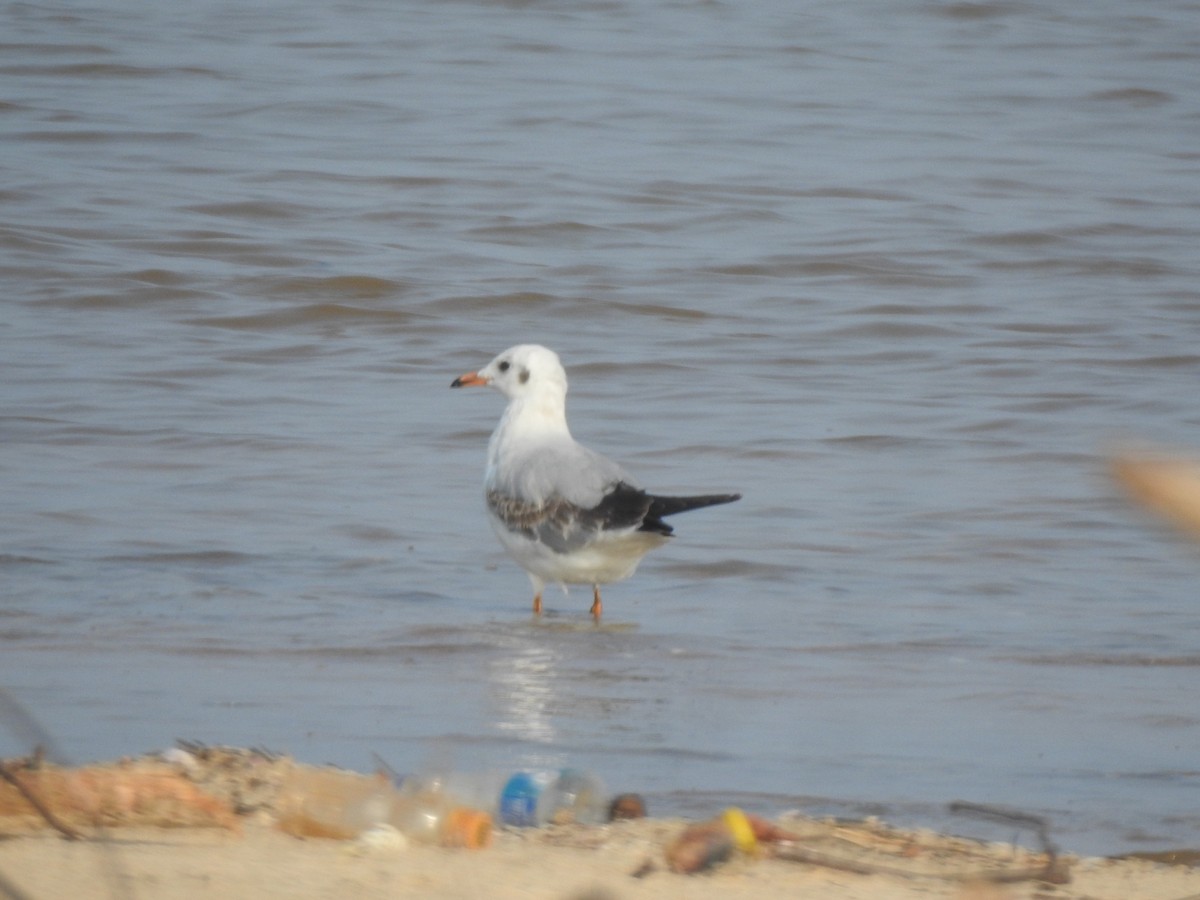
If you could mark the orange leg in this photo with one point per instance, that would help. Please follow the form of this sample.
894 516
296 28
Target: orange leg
537 603
597 606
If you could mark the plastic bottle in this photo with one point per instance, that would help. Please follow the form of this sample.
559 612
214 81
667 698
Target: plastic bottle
532 799
477 790
332 803
523 799
427 813
336 804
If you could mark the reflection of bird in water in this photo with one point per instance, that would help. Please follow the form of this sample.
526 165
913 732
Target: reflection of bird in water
567 514
525 678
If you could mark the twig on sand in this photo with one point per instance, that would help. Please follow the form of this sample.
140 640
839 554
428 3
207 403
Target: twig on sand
1053 871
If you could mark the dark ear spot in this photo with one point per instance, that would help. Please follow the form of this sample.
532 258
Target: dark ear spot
523 376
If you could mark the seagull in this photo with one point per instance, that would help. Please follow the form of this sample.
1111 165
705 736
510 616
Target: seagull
565 513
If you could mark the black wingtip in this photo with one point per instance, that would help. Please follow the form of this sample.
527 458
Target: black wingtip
669 506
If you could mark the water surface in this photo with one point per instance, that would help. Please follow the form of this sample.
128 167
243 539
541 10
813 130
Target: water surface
901 273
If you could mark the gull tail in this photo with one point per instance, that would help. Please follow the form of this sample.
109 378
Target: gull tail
661 507
668 506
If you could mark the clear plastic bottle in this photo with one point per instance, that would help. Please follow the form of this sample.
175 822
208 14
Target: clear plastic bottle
531 799
336 804
332 803
478 790
425 812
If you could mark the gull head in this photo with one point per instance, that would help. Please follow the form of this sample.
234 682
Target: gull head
522 372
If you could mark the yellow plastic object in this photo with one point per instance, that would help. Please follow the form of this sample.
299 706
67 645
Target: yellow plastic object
741 830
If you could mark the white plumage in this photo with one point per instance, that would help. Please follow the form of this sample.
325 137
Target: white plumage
565 513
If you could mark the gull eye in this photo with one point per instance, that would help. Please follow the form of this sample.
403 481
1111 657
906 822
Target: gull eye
503 367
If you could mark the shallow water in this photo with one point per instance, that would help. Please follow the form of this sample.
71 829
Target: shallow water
903 274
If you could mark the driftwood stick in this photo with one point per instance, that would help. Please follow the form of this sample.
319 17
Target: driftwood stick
1055 871
1051 873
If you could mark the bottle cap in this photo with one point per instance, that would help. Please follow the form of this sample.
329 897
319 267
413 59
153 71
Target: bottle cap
470 828
741 830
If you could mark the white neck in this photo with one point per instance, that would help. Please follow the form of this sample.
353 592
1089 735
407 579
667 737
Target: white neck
535 418
542 414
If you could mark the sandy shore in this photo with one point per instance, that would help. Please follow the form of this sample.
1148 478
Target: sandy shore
578 864
191 831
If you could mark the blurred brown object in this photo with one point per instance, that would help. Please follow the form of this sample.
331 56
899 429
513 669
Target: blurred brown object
704 845
145 794
1168 486
627 806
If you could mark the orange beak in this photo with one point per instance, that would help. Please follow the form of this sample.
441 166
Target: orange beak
471 379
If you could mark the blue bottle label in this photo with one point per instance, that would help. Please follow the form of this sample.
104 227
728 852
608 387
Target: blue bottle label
520 798
518 801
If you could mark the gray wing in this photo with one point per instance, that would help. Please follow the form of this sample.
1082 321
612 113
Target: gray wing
560 470
564 526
